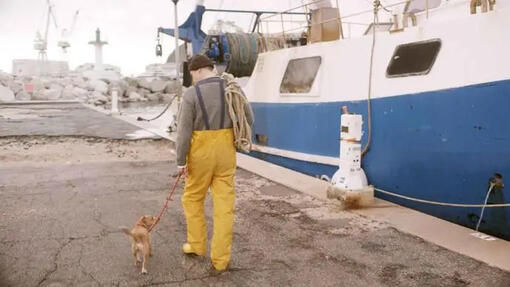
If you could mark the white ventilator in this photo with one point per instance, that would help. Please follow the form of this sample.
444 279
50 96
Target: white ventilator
349 183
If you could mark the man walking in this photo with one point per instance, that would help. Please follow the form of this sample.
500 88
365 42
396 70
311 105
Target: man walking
206 152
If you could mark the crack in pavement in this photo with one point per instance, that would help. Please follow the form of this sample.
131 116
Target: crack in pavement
82 268
97 217
55 265
54 238
208 276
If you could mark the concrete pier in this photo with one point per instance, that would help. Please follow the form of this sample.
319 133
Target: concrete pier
70 176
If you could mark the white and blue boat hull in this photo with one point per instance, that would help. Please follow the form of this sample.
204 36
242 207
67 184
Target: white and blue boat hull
439 145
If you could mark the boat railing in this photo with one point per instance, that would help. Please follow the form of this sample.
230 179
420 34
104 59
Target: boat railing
308 24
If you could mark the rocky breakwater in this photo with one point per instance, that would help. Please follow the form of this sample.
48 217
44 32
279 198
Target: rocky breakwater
78 85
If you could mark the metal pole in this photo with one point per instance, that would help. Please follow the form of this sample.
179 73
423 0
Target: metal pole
427 4
339 21
177 50
115 101
283 32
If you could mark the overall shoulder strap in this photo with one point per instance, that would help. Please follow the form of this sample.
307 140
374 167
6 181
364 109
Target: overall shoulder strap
222 100
202 107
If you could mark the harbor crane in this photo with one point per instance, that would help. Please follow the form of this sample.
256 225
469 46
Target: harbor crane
40 42
66 34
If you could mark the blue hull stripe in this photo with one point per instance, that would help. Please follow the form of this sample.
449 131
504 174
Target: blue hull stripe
441 145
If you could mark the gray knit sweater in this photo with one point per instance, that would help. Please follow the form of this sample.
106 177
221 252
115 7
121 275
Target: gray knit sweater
192 118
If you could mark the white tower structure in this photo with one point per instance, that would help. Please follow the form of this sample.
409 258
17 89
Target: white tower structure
98 44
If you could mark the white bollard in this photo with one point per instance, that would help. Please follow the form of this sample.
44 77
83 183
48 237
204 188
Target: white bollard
115 102
349 183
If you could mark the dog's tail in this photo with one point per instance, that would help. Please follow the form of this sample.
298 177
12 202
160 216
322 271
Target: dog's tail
126 230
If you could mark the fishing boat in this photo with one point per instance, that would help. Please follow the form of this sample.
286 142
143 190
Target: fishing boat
433 88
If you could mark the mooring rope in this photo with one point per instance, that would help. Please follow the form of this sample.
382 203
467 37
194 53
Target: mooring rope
369 98
236 102
444 203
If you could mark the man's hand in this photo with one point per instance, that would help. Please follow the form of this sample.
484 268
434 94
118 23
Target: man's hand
182 170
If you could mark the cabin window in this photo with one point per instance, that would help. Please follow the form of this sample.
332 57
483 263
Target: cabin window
300 75
413 58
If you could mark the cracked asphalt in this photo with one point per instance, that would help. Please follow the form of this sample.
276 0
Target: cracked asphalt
62 199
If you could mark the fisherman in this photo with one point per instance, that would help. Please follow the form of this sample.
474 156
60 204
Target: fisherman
207 155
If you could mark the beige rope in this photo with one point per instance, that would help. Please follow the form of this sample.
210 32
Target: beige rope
445 203
236 102
377 3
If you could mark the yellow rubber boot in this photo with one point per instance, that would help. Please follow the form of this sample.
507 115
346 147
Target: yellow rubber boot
186 248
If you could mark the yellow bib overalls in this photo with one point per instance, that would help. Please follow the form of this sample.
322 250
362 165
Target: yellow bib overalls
211 165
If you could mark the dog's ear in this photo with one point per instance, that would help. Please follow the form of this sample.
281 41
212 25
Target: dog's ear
147 221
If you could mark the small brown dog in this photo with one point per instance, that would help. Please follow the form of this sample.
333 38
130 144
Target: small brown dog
141 239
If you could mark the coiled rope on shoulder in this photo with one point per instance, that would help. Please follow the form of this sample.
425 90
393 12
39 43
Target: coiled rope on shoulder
236 103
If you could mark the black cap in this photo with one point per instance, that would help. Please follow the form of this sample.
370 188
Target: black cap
200 61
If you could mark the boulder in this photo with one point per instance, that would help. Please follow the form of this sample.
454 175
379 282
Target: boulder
38 95
161 97
37 85
99 86
158 86
143 92
16 87
46 83
80 82
98 98
47 94
79 92
84 67
22 96
55 86
5 78
68 93
65 81
134 96
129 90
143 83
6 95
172 87
27 79
53 94
130 81
154 97
90 67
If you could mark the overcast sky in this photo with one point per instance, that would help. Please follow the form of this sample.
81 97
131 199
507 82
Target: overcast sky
129 26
